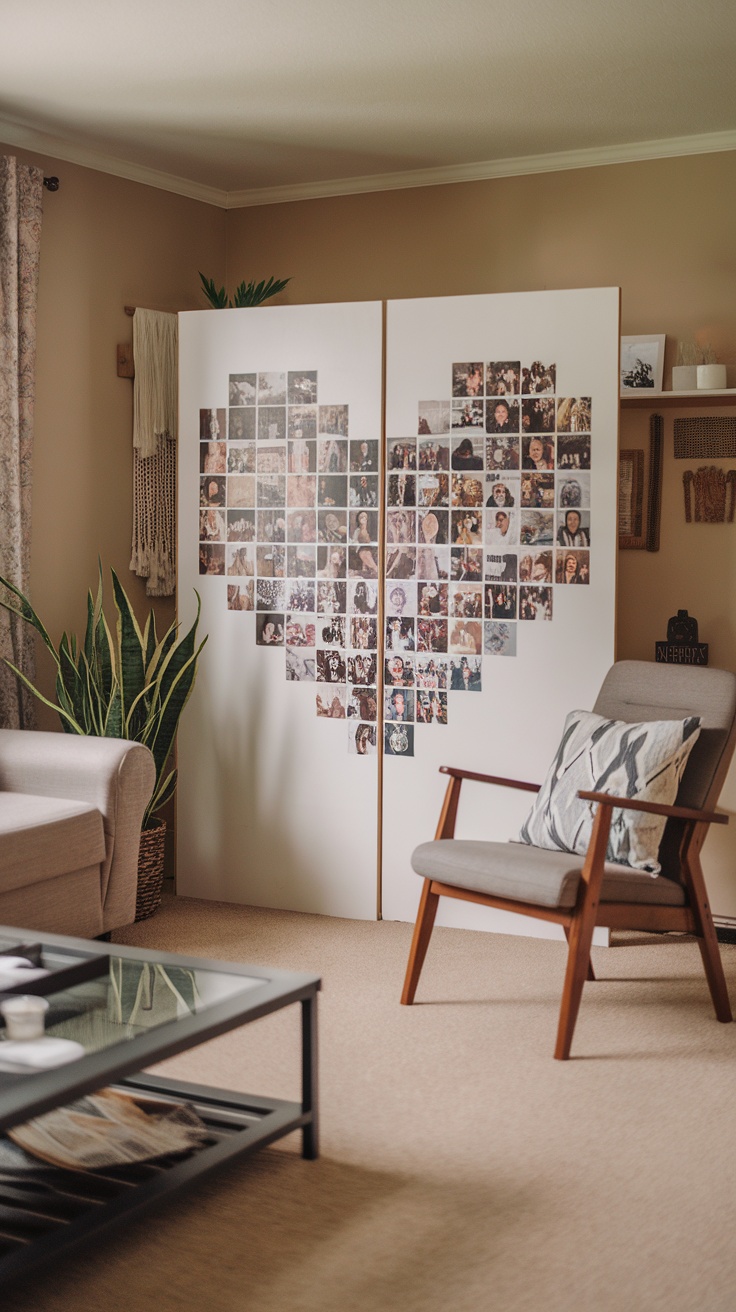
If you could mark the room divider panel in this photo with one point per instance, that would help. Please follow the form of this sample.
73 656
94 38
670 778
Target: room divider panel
385 592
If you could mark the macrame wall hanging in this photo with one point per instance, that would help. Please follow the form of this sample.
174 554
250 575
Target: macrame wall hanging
713 488
709 438
155 342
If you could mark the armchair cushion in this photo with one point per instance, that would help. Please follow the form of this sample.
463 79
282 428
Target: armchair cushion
644 761
41 837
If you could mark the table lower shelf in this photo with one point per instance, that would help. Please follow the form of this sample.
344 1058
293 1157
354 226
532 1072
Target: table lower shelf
47 1211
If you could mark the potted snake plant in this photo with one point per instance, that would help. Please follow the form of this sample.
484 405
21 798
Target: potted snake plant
133 685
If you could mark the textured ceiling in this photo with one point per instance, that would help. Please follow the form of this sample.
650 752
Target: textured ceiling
243 97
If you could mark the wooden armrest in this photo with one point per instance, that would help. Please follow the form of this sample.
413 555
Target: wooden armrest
656 808
489 779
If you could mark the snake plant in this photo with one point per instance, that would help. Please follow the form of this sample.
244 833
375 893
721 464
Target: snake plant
133 685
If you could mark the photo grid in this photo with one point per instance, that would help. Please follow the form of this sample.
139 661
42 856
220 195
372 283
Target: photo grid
289 513
487 511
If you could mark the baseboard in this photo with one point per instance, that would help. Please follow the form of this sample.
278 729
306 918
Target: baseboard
725 929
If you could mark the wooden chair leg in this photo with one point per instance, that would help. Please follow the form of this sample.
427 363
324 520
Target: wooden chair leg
581 931
708 943
591 973
420 942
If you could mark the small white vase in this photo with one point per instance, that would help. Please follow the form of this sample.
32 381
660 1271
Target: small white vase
711 377
684 377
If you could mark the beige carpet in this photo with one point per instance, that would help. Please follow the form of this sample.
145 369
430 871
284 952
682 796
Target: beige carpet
463 1169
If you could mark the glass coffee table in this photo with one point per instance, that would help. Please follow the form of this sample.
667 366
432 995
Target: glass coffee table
130 1008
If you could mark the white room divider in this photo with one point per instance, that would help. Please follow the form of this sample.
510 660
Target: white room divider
384 594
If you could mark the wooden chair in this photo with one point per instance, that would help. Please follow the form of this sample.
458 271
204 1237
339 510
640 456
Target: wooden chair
579 893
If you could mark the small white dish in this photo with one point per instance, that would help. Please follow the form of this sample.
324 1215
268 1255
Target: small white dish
38 1054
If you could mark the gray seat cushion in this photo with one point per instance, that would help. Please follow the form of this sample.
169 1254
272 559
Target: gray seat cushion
533 874
41 837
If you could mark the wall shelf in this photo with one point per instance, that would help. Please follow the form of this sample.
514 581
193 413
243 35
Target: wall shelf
646 400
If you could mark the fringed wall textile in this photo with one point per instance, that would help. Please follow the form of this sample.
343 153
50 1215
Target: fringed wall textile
155 347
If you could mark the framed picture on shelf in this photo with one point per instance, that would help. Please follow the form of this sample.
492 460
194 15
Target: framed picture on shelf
642 363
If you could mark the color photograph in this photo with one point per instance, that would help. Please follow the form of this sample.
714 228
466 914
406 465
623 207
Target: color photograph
242 389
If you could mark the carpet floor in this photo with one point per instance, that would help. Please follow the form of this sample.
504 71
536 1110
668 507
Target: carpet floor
462 1168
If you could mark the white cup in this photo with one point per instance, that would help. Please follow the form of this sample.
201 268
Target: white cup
24 1016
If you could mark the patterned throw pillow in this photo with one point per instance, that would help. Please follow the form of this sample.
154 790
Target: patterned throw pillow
645 761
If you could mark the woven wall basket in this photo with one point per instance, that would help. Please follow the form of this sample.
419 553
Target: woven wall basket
150 870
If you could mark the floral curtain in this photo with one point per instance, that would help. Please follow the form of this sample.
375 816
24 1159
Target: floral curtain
21 203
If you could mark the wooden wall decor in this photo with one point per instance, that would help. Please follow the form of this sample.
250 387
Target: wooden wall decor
710 438
715 490
631 500
654 504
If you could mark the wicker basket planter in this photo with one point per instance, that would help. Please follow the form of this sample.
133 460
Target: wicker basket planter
150 870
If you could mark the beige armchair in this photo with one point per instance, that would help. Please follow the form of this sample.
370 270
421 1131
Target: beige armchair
71 810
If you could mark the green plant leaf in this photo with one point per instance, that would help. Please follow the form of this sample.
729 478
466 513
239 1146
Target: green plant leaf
26 612
130 671
255 294
70 724
217 296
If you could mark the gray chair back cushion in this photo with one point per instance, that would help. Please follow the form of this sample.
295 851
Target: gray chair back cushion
643 690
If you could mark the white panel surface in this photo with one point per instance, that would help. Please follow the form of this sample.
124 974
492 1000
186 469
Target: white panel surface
272 810
513 725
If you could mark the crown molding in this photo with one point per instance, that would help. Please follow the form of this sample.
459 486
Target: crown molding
42 143
20 135
590 157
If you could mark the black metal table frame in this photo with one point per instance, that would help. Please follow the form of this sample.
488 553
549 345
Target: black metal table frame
246 1121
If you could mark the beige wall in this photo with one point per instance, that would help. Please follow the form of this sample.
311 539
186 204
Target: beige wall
661 230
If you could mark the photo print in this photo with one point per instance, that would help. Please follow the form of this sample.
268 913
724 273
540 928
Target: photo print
332 490
399 671
431 707
331 706
363 490
241 561
269 630
271 560
538 491
300 666
432 562
271 423
301 427
300 630
363 562
500 601
331 562
499 638
537 452
301 525
573 414
332 526
500 567
302 456
401 526
399 705
211 558
363 597
211 425
401 598
466 601
402 453
401 562
364 632
302 387
572 567
212 491
363 457
536 528
271 459
433 490
399 634
241 490
212 525
433 527
538 415
467 414
466 674
401 489
432 672
434 418
362 740
271 595
467 379
502 528
503 378
433 456
331 597
502 491
465 636
241 426
300 595
331 630
240 596
398 739
242 389
271 490
362 668
241 459
535 603
363 525
538 377
362 704
241 525
330 666
432 599
432 635
333 421
212 458
502 416
573 451
332 456
573 491
467 453
271 389
536 567
466 564
467 490
573 528
502 452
